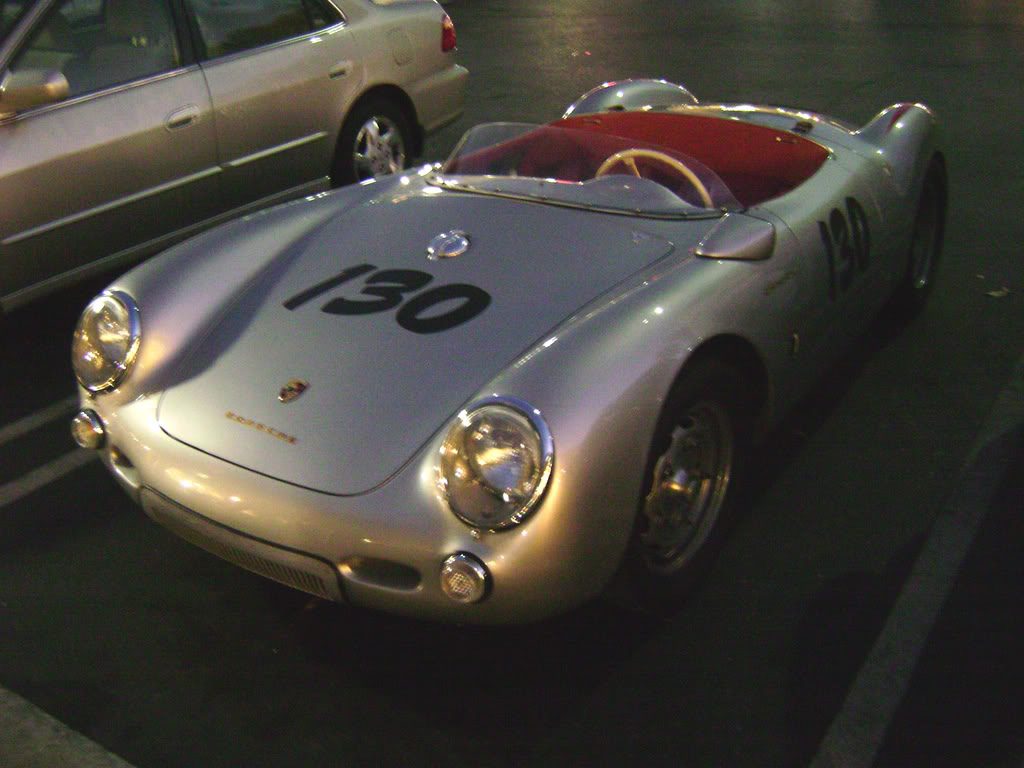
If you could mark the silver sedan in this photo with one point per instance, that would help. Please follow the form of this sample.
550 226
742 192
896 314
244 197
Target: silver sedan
127 125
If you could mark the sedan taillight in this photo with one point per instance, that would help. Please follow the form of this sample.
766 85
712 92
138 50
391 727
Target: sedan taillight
447 34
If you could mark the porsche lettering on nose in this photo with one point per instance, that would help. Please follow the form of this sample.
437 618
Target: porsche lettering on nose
246 422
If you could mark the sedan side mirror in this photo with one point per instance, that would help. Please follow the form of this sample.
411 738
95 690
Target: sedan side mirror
31 88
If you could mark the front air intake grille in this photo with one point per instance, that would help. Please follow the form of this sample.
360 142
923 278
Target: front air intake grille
291 577
292 569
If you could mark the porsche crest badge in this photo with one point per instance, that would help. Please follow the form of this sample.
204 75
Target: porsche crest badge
292 390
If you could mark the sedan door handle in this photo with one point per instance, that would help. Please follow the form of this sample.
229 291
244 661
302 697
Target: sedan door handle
340 69
182 117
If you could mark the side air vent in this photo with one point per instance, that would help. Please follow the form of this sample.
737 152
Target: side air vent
738 237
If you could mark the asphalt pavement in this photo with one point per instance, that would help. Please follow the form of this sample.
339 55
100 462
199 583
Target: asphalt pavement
939 687
865 610
963 705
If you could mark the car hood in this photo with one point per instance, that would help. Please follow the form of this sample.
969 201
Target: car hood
377 390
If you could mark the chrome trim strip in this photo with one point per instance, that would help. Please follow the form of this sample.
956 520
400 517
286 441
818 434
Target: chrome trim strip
240 161
708 213
105 207
83 97
337 8
331 29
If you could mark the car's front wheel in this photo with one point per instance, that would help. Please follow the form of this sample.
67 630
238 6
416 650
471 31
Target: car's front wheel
693 474
376 140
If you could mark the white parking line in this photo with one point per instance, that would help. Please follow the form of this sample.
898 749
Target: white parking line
39 418
44 475
30 738
857 733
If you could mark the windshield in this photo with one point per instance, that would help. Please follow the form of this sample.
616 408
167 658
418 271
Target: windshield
584 168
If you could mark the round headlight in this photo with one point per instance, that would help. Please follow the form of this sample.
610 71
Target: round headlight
105 341
495 463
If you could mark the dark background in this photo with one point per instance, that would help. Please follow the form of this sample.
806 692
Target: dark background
170 657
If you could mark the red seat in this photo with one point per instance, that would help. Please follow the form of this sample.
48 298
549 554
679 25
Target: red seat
757 163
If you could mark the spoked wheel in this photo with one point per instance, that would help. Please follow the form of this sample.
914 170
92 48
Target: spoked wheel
379 148
925 243
694 471
923 249
375 141
689 486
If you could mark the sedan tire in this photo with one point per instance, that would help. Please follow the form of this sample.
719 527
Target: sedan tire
376 140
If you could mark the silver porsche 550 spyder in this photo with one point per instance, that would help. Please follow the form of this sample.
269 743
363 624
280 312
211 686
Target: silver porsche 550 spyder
486 390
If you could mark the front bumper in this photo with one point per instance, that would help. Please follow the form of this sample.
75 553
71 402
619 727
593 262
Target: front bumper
294 569
384 549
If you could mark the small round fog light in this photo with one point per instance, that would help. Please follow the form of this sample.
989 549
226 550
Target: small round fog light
87 429
464 579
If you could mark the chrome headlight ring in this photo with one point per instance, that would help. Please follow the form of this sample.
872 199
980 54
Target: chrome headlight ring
106 341
496 462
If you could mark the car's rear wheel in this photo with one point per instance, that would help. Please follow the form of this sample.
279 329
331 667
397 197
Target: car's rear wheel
376 140
925 243
692 478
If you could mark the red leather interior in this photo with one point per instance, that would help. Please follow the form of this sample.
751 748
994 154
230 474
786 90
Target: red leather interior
757 163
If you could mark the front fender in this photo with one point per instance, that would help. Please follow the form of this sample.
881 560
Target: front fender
599 381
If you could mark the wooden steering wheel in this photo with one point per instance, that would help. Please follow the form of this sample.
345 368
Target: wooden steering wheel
627 158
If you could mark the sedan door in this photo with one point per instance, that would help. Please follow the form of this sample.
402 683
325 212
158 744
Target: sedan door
281 74
118 167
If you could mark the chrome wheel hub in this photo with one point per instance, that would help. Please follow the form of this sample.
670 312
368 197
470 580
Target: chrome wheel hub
379 148
922 250
688 488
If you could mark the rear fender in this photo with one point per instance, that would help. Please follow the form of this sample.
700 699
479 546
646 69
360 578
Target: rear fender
620 95
907 136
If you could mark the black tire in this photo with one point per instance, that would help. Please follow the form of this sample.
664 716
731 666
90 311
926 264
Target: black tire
698 455
925 244
375 140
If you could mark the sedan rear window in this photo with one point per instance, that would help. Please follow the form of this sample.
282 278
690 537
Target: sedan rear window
231 27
